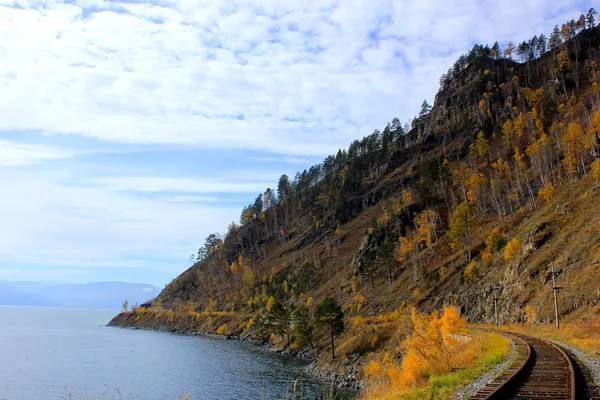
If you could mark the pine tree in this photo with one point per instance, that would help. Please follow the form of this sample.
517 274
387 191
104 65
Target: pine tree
591 18
303 327
329 314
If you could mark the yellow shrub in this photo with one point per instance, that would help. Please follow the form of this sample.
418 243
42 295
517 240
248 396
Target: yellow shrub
221 329
512 249
432 348
374 341
546 191
470 268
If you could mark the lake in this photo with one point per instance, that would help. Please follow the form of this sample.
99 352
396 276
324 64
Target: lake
47 353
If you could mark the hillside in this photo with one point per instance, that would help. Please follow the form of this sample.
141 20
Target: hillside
487 188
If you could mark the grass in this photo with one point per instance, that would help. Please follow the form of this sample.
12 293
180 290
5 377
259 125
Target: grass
582 333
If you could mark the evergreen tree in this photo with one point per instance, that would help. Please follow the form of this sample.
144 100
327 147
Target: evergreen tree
329 314
590 18
257 207
303 327
425 109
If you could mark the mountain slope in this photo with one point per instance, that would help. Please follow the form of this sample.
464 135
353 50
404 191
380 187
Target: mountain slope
492 184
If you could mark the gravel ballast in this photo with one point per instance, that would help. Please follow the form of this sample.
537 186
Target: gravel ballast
593 364
472 388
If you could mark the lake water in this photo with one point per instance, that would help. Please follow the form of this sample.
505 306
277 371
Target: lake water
45 353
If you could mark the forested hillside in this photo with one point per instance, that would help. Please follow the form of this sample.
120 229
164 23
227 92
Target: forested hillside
485 190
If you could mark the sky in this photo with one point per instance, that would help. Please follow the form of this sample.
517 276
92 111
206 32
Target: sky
130 130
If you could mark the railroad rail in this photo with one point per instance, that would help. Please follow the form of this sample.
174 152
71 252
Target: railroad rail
541 371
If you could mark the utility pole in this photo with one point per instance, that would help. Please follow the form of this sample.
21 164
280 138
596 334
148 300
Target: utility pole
495 306
555 289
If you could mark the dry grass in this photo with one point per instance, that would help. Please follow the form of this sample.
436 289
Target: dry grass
581 331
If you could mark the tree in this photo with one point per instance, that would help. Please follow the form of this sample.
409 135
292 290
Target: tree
495 51
596 171
425 109
303 326
480 147
426 223
573 142
280 320
510 49
329 314
257 207
461 228
554 41
385 259
512 249
283 188
541 45
126 306
369 268
591 18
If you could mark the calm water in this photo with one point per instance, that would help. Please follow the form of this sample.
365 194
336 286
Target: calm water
45 351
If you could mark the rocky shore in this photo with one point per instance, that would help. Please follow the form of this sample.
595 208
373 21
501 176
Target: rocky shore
339 379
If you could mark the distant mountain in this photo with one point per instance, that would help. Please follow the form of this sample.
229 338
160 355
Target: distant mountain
108 295
12 296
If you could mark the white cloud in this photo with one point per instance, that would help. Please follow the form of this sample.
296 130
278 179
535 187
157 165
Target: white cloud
17 154
166 184
303 77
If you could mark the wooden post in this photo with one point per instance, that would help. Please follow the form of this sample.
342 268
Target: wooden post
495 306
555 290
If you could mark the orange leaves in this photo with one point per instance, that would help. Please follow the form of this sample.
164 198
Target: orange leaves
573 142
476 186
426 222
433 347
546 191
491 242
451 323
471 267
374 369
405 247
512 249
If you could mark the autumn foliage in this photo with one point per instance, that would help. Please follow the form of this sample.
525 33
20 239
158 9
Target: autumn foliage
433 347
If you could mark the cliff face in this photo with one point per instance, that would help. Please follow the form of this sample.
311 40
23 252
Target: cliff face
502 137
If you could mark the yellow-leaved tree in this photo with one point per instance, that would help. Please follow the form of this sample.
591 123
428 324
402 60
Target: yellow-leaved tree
461 228
512 249
596 171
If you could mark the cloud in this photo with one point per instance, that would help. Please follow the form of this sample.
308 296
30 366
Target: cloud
189 185
17 154
290 77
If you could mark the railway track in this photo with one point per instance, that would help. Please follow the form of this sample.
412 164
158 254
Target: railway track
541 371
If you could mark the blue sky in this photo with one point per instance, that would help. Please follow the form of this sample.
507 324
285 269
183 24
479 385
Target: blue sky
131 130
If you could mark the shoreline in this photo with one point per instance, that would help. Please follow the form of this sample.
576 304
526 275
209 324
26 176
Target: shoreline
344 380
